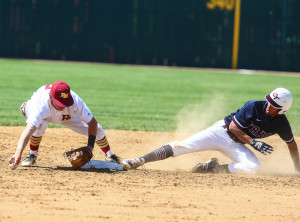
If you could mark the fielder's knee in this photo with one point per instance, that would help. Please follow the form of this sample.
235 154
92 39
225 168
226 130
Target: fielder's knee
40 130
100 133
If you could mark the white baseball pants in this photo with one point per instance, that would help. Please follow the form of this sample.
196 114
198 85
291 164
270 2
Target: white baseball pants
74 124
216 138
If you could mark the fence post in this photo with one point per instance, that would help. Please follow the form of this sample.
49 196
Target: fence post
236 34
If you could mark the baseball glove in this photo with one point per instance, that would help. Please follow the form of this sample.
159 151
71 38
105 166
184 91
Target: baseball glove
79 157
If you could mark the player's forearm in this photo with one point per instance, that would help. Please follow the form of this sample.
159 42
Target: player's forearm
25 136
239 133
295 158
93 127
92 131
294 152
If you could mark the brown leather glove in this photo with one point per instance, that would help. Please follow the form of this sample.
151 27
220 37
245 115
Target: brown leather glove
79 157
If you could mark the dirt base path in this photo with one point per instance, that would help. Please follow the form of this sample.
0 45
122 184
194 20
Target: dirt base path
165 191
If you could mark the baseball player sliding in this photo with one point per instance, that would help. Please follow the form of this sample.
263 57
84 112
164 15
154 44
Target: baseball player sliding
57 103
256 119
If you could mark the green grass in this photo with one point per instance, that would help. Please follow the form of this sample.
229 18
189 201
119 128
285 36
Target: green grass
141 98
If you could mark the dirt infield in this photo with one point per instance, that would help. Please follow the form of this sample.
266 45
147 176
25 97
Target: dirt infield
165 191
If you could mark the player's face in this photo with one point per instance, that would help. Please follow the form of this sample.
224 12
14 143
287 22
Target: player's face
56 106
271 111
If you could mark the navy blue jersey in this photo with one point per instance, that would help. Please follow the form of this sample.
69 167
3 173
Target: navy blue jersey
254 121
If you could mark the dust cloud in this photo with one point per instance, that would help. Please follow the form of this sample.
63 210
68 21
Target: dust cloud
190 120
194 118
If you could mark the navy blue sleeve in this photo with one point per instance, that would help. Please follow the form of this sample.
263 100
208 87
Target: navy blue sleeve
243 116
285 131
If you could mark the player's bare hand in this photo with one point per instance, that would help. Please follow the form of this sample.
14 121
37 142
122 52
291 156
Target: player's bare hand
15 159
261 147
12 163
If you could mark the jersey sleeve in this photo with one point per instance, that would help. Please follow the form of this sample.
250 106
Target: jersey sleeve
38 109
82 111
34 118
242 117
37 115
285 131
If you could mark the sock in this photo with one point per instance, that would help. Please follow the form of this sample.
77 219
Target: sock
161 153
33 152
34 144
109 153
103 144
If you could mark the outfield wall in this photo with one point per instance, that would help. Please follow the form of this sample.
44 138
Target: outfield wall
197 33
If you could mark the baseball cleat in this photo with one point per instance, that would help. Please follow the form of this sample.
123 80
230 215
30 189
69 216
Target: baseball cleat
207 167
131 164
113 158
29 160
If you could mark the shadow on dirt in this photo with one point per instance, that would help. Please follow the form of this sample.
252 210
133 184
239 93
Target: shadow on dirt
110 171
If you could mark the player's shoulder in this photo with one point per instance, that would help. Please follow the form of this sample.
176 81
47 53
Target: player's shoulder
42 89
73 93
40 95
255 103
78 102
75 96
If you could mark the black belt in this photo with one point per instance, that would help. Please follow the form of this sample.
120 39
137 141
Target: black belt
233 137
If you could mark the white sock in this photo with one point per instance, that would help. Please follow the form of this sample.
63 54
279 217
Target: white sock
109 153
34 152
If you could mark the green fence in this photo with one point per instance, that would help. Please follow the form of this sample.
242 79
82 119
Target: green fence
196 33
